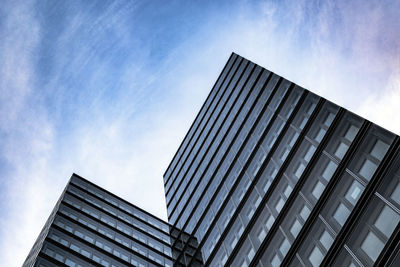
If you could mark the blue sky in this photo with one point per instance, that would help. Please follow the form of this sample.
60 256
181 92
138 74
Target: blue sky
108 89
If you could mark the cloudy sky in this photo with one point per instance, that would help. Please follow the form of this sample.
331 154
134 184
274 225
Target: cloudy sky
108 89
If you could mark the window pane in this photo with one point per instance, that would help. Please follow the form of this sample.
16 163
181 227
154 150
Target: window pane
250 254
351 133
284 154
69 262
279 205
284 247
387 221
318 189
261 234
287 191
309 153
275 261
299 170
295 229
59 257
379 149
320 135
372 246
326 240
329 119
305 212
294 138
341 214
270 222
316 257
75 248
368 169
329 170
354 192
341 150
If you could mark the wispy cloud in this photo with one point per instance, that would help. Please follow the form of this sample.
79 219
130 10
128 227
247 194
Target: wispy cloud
108 90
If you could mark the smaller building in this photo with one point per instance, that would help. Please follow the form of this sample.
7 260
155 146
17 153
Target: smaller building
90 226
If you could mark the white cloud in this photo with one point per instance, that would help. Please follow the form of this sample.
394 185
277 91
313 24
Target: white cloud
383 107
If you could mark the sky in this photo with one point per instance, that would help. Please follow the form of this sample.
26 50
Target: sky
108 89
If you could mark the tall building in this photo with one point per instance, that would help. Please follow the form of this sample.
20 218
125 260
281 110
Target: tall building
268 174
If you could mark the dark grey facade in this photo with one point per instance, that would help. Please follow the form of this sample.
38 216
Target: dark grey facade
92 227
269 174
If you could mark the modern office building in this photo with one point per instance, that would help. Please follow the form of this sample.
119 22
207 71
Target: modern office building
268 174
92 227
271 174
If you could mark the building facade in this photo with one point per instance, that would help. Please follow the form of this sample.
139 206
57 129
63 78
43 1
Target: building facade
90 226
269 174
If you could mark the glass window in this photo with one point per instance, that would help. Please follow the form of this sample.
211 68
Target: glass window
279 205
329 171
351 133
69 262
326 240
329 119
305 212
261 234
96 259
379 150
341 214
276 262
89 239
316 257
303 122
287 191
284 247
59 257
74 247
270 222
64 242
250 253
107 248
372 246
387 221
49 252
341 150
318 189
354 192
299 170
85 253
368 169
309 153
295 228
293 140
284 154
320 135
77 233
